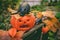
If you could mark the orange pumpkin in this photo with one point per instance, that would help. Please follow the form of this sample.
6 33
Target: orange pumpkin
23 23
45 29
48 26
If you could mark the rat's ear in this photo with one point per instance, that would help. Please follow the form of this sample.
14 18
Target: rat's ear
12 11
12 32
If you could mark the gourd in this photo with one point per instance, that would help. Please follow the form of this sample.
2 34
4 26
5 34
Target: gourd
24 23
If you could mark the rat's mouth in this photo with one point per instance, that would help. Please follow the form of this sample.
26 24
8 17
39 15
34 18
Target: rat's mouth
24 26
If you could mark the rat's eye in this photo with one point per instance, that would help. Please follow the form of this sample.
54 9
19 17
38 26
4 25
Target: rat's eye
24 9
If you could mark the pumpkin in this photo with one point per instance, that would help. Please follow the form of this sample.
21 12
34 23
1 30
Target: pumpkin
45 30
53 23
48 26
23 23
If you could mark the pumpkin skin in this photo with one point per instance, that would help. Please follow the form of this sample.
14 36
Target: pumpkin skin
23 23
45 30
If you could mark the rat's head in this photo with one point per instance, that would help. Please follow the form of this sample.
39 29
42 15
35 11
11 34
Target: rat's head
24 9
